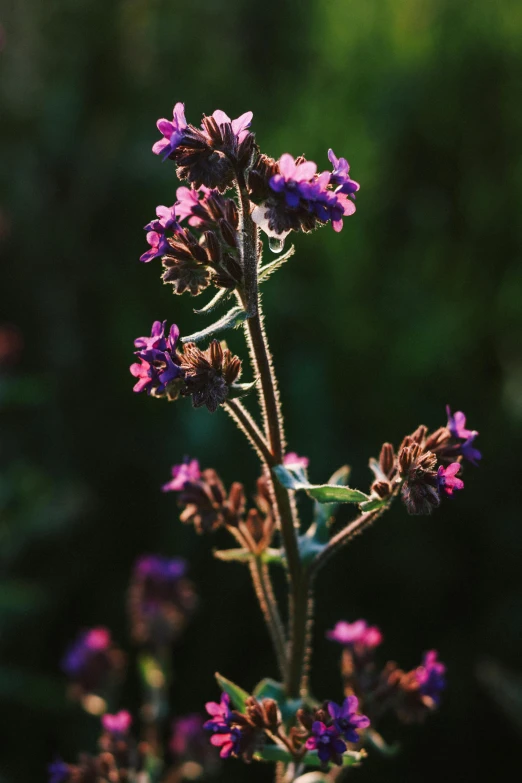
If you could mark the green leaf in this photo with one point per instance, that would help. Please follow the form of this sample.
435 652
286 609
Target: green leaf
324 512
269 689
266 270
292 478
230 320
237 695
309 548
221 296
373 504
239 555
311 759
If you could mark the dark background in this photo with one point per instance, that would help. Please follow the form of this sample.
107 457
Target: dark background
416 304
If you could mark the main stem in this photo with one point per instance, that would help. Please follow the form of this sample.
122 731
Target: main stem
274 431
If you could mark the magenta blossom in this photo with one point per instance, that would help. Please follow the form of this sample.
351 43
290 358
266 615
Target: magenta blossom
158 360
221 714
187 471
117 724
292 178
347 720
292 460
230 742
173 132
188 202
431 676
327 742
358 633
158 246
469 452
166 219
447 479
239 125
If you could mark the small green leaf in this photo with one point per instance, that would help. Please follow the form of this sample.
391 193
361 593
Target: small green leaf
221 296
292 478
269 689
230 320
324 512
311 759
237 695
266 270
237 390
373 504
239 555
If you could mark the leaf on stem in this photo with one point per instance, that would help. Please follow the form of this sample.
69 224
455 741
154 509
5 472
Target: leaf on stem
230 320
294 478
237 390
324 512
242 555
221 296
237 695
311 759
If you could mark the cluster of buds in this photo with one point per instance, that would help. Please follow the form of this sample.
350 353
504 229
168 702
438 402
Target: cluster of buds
161 600
206 376
425 467
330 728
410 695
209 506
119 760
93 665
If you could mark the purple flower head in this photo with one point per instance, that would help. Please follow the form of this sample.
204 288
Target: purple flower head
457 424
159 362
230 742
239 125
187 471
326 204
469 452
58 771
221 715
431 676
358 633
447 479
340 175
161 569
188 203
173 132
118 724
327 742
346 719
292 178
187 731
293 460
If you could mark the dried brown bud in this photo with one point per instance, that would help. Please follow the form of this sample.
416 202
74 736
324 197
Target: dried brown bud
382 488
264 714
387 459
407 456
305 718
209 373
438 439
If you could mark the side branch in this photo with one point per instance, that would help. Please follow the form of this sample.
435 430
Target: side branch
246 423
343 537
263 587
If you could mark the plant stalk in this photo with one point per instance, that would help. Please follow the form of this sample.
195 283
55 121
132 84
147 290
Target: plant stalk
263 587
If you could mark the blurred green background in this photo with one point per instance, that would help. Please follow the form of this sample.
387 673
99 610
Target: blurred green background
416 304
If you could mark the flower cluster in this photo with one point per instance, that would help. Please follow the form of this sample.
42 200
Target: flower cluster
158 371
425 467
328 729
410 695
237 734
161 600
92 663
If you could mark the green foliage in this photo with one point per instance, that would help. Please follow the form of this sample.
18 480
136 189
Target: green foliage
230 320
295 478
237 695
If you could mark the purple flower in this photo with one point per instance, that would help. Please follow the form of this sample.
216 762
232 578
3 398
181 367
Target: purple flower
292 460
292 178
469 452
327 742
230 742
457 424
431 676
187 471
327 204
221 714
186 731
161 569
58 771
158 246
117 724
239 125
358 633
188 202
346 719
173 132
447 479
159 362
340 175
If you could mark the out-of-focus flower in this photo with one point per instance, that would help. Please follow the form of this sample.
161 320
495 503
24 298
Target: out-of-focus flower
340 177
358 634
469 452
161 599
293 460
117 724
232 732
447 479
187 471
172 131
92 661
347 720
327 741
59 771
457 424
431 676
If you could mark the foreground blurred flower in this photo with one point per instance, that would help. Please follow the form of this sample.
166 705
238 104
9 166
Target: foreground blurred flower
431 676
181 474
358 634
59 771
92 662
117 724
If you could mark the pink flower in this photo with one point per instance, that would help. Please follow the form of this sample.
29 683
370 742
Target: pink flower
187 471
292 460
119 723
447 479
358 633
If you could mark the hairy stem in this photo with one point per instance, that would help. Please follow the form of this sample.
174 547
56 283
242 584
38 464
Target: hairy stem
246 424
263 587
343 536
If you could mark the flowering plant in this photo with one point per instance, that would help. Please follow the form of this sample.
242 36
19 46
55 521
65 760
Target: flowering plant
213 235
